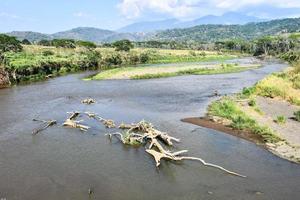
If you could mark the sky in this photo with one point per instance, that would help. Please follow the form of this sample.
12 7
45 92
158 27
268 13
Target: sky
50 16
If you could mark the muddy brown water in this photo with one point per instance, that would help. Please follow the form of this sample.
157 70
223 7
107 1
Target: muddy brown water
62 163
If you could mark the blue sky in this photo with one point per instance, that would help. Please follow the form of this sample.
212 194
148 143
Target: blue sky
49 16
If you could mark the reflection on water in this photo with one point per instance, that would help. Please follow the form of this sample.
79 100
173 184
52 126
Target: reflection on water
62 163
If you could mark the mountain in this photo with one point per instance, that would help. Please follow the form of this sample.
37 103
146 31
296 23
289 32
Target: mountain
84 33
81 33
149 26
29 35
225 19
212 33
205 33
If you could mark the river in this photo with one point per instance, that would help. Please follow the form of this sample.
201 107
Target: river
63 163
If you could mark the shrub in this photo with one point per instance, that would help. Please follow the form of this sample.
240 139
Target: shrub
280 119
123 45
144 58
202 54
47 53
65 43
86 44
26 42
8 43
297 115
252 102
247 92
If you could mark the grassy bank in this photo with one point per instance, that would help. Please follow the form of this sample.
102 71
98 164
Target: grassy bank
229 109
145 72
284 85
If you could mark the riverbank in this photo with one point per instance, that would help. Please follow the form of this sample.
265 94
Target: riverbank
266 114
36 62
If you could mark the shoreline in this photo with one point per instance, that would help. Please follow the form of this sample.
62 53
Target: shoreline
207 122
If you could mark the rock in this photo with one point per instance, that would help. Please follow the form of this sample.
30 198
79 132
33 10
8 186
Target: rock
4 78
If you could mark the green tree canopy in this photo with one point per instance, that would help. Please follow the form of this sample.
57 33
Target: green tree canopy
123 45
8 43
86 44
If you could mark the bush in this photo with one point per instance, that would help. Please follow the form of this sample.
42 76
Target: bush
280 119
202 54
123 45
247 92
297 115
86 44
144 58
47 53
252 102
44 43
8 43
26 42
65 43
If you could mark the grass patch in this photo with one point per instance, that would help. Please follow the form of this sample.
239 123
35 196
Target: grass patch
200 71
150 72
229 109
280 119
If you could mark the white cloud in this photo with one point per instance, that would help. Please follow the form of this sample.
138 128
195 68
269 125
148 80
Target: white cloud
84 15
8 15
188 8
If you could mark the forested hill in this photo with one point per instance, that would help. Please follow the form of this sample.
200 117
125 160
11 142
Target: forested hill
205 33
212 33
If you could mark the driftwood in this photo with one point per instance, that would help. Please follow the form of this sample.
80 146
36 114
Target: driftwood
71 122
45 124
144 133
88 101
108 123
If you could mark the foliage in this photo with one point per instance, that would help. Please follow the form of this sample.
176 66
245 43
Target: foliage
278 86
86 44
215 33
48 53
252 102
123 45
297 115
65 43
26 42
280 119
8 43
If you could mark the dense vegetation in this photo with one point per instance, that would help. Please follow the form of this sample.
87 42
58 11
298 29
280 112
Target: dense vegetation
8 43
213 33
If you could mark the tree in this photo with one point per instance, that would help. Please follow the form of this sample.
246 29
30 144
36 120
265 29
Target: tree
9 43
65 43
86 44
44 43
26 42
123 45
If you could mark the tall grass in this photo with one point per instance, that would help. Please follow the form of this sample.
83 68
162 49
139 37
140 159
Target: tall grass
229 109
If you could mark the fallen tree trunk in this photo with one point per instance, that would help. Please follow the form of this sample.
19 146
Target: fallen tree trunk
143 133
45 125
71 122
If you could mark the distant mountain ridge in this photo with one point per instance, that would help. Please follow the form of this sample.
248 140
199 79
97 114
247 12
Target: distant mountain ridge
212 33
204 33
225 19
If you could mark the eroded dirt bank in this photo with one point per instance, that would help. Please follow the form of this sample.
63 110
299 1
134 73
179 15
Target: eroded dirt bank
4 78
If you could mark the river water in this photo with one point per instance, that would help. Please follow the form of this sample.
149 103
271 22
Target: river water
63 163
